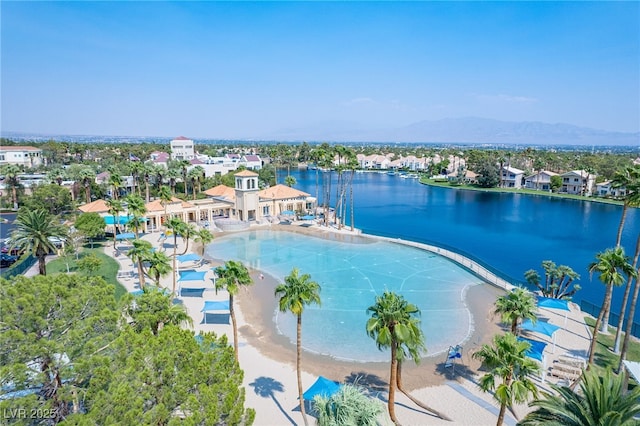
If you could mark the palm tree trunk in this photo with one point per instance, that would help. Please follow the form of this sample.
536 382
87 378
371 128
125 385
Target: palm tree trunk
299 367
351 196
503 409
414 400
175 243
42 264
141 273
625 298
14 194
232 314
592 347
392 383
606 306
627 333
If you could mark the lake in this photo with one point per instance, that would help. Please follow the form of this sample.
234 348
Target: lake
509 232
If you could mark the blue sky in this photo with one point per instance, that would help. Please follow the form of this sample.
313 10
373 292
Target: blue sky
246 69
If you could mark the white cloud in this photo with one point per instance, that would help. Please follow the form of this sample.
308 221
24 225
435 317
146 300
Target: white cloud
502 98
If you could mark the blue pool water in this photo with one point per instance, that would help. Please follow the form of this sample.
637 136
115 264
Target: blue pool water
352 272
508 232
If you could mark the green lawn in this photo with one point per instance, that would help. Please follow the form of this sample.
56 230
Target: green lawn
447 184
108 270
604 357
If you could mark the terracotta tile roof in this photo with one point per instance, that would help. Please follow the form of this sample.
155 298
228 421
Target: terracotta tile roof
181 138
19 148
156 205
246 173
222 191
281 192
98 206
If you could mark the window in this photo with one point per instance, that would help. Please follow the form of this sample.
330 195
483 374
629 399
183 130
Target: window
265 210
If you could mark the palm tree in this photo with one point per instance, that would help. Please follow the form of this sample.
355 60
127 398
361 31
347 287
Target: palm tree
147 171
173 174
393 324
612 265
508 363
139 253
230 277
517 304
629 179
33 233
186 232
204 237
290 181
625 299
603 400
87 175
297 292
115 208
632 312
137 209
11 174
137 169
115 182
177 226
159 266
165 198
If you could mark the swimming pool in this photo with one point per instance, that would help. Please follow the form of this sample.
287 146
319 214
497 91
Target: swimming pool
352 271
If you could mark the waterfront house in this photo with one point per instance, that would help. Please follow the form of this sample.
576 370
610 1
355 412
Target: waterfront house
540 181
578 182
605 189
26 156
511 177
250 162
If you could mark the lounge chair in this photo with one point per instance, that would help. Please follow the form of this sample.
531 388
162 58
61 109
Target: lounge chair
455 352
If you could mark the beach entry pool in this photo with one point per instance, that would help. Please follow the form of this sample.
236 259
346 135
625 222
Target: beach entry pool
352 271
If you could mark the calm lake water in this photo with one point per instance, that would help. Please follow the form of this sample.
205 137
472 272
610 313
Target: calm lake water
510 233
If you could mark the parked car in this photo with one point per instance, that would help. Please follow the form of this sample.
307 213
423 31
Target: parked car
7 260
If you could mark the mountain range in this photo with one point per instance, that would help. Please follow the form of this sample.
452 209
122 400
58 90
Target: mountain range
461 130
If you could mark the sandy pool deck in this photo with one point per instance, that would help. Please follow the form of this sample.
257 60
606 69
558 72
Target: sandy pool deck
268 358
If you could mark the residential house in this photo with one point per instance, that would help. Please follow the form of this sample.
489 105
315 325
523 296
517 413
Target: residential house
511 177
250 162
26 156
605 189
160 158
540 181
182 149
578 182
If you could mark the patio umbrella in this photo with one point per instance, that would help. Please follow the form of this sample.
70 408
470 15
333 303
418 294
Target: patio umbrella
323 387
288 213
536 351
192 275
189 257
552 303
125 236
542 327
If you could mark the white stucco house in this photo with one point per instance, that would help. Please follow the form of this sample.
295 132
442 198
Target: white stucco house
578 182
605 189
182 149
540 181
26 156
511 177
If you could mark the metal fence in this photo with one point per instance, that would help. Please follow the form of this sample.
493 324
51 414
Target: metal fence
594 310
20 267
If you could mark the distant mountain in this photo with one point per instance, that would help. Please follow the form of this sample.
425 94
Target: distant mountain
465 130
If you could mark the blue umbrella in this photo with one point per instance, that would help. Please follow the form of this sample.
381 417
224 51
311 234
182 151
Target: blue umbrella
125 236
191 275
541 327
288 212
323 387
552 303
189 257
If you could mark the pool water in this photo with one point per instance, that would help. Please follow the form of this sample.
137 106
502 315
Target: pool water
352 271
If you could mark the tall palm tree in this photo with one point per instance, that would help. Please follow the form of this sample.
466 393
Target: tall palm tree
517 304
115 208
137 209
176 225
115 182
507 363
137 168
173 174
612 265
33 233
146 172
625 299
139 253
11 174
231 277
602 400
632 312
393 325
87 176
165 198
204 237
629 179
297 292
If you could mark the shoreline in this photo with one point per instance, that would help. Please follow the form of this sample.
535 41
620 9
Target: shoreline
258 306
